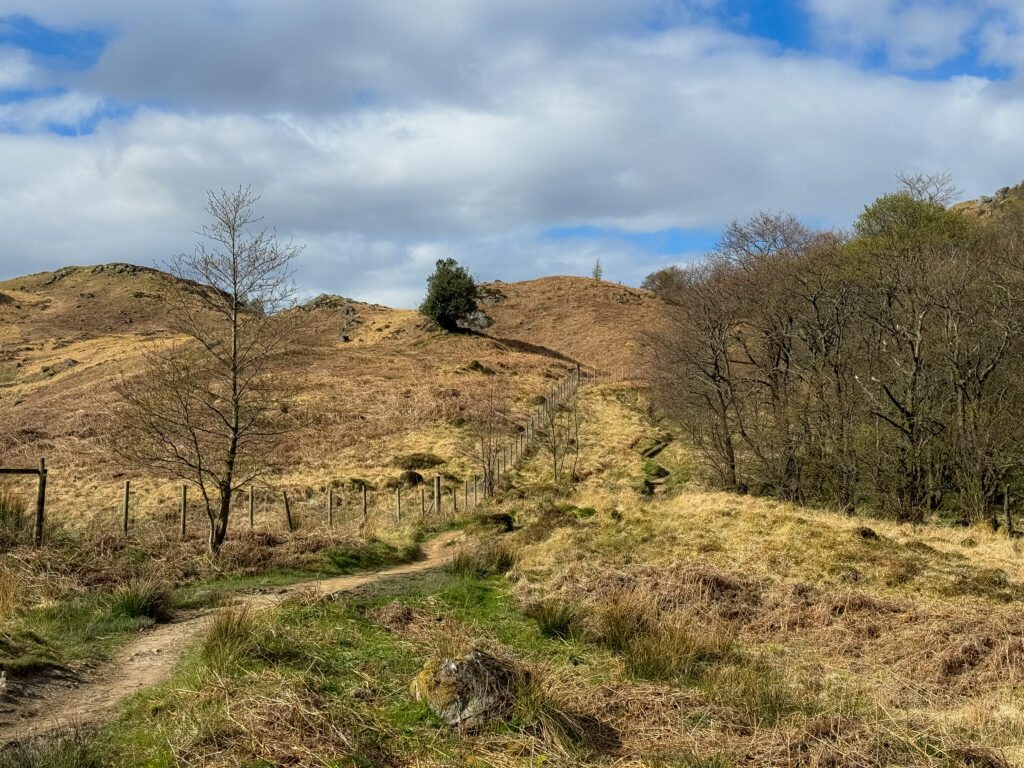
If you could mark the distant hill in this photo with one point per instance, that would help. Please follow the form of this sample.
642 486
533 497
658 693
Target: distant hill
989 206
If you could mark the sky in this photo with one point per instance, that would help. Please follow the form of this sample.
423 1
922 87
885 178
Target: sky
522 137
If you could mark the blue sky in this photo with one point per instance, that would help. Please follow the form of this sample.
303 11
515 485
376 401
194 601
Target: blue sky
522 137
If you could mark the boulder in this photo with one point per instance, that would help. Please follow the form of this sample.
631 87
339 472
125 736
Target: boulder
474 687
475 321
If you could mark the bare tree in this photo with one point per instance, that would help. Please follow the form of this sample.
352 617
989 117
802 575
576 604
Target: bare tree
206 408
934 188
488 419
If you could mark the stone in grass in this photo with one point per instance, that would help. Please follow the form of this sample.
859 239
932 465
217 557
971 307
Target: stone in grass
475 687
654 470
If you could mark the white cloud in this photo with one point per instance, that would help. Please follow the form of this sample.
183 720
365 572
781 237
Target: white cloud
15 68
482 125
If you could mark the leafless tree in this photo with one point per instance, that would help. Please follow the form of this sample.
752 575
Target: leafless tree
488 421
206 408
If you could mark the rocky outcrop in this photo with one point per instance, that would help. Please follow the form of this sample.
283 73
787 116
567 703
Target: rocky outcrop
474 687
475 321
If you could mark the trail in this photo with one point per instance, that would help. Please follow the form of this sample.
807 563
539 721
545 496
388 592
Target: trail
150 658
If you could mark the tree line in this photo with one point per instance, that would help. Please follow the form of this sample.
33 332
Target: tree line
877 368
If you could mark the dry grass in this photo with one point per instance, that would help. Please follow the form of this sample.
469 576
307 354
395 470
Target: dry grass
396 388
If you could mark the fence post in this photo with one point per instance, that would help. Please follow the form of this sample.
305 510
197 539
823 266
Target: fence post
398 503
330 507
455 502
362 523
252 509
40 504
467 496
423 502
127 490
184 508
287 511
476 486
437 495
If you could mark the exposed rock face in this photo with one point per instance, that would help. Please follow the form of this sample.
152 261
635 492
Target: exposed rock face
489 295
329 301
476 686
475 321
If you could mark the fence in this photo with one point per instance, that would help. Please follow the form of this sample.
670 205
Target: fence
506 456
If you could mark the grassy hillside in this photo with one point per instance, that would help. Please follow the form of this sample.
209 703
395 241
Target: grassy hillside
595 322
682 628
390 386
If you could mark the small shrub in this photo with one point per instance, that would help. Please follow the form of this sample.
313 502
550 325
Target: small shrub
147 597
417 461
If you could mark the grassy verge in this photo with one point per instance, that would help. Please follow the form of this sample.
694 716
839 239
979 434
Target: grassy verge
86 626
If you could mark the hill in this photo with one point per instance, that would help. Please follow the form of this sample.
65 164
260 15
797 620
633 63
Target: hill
377 382
594 322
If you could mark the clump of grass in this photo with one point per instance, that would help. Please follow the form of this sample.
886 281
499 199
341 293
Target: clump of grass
674 650
232 637
11 588
556 616
621 617
537 706
755 693
489 559
147 597
12 516
67 749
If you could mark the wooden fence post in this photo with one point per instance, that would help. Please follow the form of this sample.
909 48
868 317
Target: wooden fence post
124 507
40 504
184 508
362 523
252 509
330 507
476 485
288 511
437 495
455 503
467 496
423 502
398 503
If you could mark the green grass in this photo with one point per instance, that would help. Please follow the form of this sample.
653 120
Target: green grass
86 628
65 750
370 556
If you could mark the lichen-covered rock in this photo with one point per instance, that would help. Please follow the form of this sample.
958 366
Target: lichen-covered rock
476 686
475 321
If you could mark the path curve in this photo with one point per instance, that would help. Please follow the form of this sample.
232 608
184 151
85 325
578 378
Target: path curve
150 658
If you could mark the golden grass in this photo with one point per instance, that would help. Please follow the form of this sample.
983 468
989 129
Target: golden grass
821 639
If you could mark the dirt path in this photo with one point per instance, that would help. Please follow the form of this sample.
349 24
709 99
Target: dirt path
150 658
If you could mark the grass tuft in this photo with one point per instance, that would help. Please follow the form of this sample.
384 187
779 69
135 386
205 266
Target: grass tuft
67 749
493 558
147 597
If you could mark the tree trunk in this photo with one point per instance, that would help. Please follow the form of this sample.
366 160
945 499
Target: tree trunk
219 522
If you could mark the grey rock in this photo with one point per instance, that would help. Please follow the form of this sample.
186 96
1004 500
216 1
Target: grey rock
476 321
476 686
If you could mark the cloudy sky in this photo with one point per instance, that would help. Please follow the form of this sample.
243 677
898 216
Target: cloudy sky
523 137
